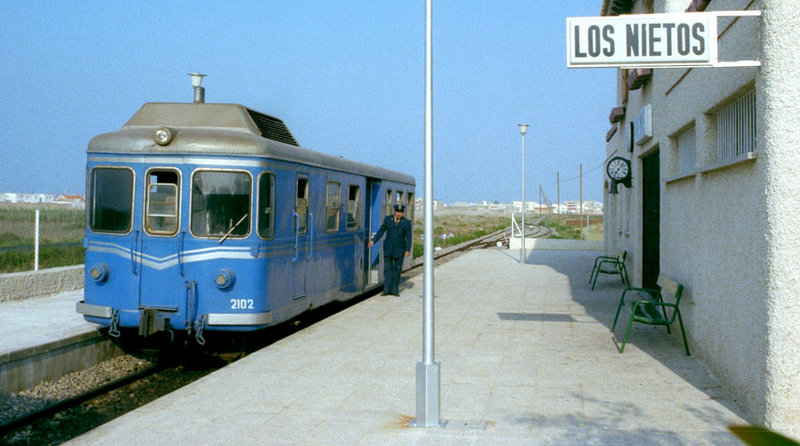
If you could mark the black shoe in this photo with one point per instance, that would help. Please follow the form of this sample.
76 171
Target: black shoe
384 294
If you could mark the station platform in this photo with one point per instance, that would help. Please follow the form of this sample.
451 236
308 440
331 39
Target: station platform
44 338
526 354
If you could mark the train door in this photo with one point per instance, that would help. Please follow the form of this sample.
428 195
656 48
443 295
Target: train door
303 233
374 218
160 242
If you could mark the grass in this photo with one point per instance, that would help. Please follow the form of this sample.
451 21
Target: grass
66 226
458 227
60 243
574 227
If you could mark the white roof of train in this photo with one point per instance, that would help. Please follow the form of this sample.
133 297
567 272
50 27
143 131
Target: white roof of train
223 129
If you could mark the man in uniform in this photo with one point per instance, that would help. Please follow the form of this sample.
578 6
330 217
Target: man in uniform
396 247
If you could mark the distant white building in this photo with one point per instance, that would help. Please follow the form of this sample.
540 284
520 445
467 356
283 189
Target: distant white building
74 201
11 197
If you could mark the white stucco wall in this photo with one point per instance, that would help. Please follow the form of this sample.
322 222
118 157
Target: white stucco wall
779 138
712 222
730 234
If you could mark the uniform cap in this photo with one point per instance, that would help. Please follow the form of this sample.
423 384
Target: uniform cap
399 208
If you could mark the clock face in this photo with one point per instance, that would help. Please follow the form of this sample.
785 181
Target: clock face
618 169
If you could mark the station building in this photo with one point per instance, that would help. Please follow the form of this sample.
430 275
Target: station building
714 198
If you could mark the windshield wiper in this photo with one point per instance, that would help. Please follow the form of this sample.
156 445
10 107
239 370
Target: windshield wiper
232 228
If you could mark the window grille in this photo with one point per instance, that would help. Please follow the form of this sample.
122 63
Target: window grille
332 206
686 151
736 128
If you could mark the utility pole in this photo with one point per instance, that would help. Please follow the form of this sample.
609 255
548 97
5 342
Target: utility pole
580 211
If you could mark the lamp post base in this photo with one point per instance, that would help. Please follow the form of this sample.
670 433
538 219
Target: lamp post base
428 391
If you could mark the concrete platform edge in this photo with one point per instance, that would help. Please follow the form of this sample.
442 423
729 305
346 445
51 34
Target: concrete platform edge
23 369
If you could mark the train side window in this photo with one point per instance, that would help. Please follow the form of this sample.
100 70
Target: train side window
399 199
221 203
162 202
410 206
301 205
111 200
266 205
332 205
353 198
388 203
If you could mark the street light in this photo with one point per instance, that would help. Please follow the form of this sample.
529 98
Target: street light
522 129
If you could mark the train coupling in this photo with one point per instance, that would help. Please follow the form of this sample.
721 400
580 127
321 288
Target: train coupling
153 320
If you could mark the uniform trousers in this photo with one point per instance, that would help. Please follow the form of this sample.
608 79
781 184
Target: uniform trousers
392 267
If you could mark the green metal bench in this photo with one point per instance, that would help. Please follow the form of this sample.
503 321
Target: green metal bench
649 308
610 265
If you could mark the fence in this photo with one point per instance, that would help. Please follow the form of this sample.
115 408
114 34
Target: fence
31 239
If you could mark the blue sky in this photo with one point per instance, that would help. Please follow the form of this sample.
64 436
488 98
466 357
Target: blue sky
347 77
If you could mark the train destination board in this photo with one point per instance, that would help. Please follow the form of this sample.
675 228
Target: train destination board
641 40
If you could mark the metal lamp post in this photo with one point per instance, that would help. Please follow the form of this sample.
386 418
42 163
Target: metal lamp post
522 129
427 371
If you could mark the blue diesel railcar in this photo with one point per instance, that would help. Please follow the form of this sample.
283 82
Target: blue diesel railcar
210 217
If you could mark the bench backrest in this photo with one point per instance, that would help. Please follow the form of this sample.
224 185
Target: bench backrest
669 286
621 254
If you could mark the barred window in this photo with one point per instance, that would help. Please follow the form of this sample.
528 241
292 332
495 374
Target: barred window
736 128
332 205
266 205
686 151
161 212
353 198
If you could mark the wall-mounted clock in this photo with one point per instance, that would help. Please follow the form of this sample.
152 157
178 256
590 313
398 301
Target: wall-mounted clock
618 169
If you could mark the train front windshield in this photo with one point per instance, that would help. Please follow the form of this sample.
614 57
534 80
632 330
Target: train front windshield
221 203
111 200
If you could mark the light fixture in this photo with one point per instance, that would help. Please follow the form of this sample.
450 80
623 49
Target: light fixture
522 255
225 279
197 79
163 136
199 92
99 272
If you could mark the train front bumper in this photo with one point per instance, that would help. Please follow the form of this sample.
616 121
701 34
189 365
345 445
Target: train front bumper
212 319
94 310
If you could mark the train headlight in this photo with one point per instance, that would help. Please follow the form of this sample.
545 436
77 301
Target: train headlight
163 136
225 279
99 272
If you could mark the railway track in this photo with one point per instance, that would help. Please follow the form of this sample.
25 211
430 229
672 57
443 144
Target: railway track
68 418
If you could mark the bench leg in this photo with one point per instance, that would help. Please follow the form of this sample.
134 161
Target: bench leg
619 307
627 332
624 270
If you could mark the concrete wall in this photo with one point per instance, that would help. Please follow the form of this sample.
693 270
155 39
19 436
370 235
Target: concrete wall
728 231
779 140
17 286
702 214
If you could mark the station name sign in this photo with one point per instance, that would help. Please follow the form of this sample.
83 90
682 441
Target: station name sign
642 40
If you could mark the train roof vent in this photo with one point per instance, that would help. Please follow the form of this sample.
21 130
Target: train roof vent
272 128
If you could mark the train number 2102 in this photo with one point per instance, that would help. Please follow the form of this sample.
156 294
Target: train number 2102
241 304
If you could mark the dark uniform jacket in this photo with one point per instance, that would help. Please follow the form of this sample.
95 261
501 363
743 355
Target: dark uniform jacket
398 236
